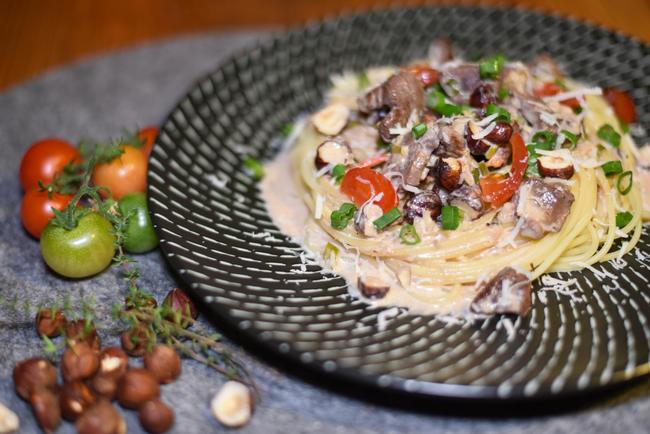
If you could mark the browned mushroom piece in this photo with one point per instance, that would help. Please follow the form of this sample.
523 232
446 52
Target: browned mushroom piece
554 167
507 292
468 199
500 157
333 152
364 140
449 170
544 67
414 167
401 94
372 287
364 218
452 143
543 206
459 82
421 203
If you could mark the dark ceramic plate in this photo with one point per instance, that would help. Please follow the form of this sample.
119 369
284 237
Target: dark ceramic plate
208 214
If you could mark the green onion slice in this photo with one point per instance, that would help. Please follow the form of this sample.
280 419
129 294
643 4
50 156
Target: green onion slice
450 217
436 101
573 138
491 67
388 218
338 172
609 135
254 168
624 182
419 130
623 219
340 218
502 114
409 235
503 93
612 167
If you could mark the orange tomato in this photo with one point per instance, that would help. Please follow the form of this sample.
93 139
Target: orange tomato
36 209
148 137
44 160
125 174
360 183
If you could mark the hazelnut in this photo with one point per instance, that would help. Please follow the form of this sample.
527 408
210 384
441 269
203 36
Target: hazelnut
104 386
75 399
8 420
333 151
33 374
113 362
155 416
372 287
79 362
137 387
164 363
449 170
180 308
554 167
501 133
136 340
82 331
101 418
233 404
331 119
45 405
50 322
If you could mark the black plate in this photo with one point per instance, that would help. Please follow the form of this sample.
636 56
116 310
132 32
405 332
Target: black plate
209 232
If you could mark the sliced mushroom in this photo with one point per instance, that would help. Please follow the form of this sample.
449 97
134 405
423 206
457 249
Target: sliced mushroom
372 287
468 199
333 152
362 139
331 119
421 203
555 167
401 94
515 78
506 214
543 206
449 173
440 51
414 167
500 157
459 82
452 143
507 292
233 404
544 68
364 218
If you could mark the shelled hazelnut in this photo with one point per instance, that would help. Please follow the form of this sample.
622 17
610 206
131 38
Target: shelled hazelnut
81 331
33 374
45 406
155 416
113 362
181 307
233 404
164 363
75 398
101 418
136 339
50 322
79 362
137 387
104 386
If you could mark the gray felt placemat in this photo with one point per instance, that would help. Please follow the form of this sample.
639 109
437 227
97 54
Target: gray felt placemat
98 98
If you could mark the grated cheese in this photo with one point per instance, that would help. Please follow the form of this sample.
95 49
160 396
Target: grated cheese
484 132
485 121
411 189
318 209
574 94
548 118
323 170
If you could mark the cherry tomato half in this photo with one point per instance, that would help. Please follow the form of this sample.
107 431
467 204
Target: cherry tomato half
125 174
550 89
80 252
36 209
44 160
360 183
148 137
622 103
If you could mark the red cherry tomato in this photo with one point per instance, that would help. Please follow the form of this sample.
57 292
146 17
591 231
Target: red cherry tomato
148 137
622 103
497 190
36 209
125 174
427 75
44 160
550 89
360 183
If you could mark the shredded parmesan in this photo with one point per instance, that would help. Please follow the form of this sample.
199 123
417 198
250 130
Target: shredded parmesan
484 132
509 237
485 121
323 170
412 189
548 118
574 94
318 209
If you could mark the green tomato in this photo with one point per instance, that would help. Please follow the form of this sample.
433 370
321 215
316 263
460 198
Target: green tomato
81 252
140 236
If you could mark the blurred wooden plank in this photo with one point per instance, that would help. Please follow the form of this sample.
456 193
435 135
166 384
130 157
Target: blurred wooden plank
37 35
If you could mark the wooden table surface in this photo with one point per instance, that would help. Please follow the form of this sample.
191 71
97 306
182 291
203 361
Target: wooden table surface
36 35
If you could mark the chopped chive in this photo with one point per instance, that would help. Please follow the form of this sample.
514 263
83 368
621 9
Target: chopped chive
363 81
483 169
338 172
544 138
622 179
491 151
419 130
436 102
388 218
623 219
491 67
476 174
340 218
503 93
573 138
502 114
609 135
287 129
254 168
409 235
450 217
612 167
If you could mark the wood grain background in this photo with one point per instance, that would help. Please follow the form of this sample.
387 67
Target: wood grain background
36 35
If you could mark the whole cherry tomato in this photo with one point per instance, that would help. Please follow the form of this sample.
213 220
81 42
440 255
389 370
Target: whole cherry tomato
125 174
36 209
622 103
44 160
148 137
361 183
